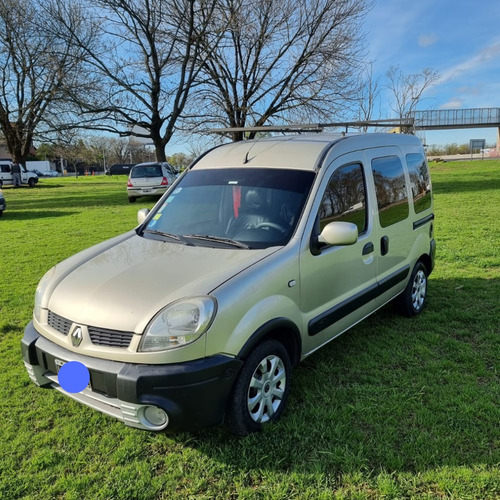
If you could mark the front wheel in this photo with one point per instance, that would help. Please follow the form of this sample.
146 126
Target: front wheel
412 300
261 390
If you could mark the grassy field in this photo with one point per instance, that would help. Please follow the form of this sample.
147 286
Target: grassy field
394 409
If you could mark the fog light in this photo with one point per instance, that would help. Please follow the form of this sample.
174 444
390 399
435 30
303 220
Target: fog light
155 417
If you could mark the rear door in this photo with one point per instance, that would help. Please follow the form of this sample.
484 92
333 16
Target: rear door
392 219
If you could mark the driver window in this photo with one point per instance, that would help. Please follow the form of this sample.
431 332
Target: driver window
345 198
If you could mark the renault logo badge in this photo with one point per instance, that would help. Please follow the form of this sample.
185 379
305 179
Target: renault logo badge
77 336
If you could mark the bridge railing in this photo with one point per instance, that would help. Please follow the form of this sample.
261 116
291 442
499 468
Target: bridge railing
457 117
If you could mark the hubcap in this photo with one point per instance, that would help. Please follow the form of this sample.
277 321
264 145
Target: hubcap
419 290
266 390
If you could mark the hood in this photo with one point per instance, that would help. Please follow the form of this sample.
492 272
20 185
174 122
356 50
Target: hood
123 287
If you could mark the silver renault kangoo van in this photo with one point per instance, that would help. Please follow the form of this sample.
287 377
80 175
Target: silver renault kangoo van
258 255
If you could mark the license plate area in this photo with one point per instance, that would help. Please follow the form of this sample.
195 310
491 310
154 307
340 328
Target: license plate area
59 364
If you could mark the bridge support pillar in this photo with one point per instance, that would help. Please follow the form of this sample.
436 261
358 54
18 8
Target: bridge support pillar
498 141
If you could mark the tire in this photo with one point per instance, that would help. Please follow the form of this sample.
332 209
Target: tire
261 390
132 199
31 182
412 300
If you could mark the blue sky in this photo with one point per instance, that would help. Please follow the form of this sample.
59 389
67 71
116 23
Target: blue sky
458 38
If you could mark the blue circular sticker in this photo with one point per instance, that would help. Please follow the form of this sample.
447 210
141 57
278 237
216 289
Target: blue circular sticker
73 376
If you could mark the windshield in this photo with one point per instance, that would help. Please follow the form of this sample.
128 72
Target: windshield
240 207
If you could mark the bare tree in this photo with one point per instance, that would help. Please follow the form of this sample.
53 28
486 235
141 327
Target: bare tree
146 64
369 93
36 69
281 59
407 91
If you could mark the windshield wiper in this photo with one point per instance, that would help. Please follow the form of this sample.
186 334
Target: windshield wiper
175 237
217 239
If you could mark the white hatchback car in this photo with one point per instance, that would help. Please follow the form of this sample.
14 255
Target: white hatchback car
150 179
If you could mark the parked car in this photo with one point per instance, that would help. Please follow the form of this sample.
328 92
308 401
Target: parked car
50 173
259 254
37 172
149 179
3 205
120 169
27 177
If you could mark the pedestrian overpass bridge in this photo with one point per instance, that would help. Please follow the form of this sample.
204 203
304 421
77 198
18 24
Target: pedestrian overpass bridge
440 119
453 119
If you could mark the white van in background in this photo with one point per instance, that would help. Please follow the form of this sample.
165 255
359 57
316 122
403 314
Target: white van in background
28 178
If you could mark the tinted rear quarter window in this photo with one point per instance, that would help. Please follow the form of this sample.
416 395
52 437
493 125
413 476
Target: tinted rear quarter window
390 186
420 182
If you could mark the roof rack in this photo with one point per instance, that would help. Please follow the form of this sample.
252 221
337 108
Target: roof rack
298 128
316 127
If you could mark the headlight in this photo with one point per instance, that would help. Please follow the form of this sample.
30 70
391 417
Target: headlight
40 291
179 324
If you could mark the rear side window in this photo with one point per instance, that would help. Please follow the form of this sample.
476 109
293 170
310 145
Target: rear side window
420 182
345 199
390 186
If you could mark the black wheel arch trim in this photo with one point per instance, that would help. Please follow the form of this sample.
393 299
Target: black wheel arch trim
276 329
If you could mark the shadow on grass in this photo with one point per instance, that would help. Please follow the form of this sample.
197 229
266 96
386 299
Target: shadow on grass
392 394
465 186
34 215
81 202
38 186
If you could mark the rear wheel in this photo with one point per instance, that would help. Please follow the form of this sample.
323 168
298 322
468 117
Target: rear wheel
412 300
261 390
132 199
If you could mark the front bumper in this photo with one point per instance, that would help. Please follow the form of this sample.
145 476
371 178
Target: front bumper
192 394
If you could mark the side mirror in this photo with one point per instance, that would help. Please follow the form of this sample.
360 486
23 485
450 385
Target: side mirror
339 233
142 214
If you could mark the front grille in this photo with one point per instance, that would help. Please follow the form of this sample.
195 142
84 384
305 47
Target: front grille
62 325
110 338
98 336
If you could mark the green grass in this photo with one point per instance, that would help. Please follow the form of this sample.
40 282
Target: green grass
394 409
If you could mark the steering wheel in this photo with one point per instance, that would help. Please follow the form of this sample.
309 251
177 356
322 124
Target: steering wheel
270 224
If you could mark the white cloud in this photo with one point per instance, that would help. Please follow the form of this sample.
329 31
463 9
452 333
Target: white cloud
455 103
479 60
427 40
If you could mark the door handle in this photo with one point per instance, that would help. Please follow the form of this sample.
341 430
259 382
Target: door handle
368 248
384 245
